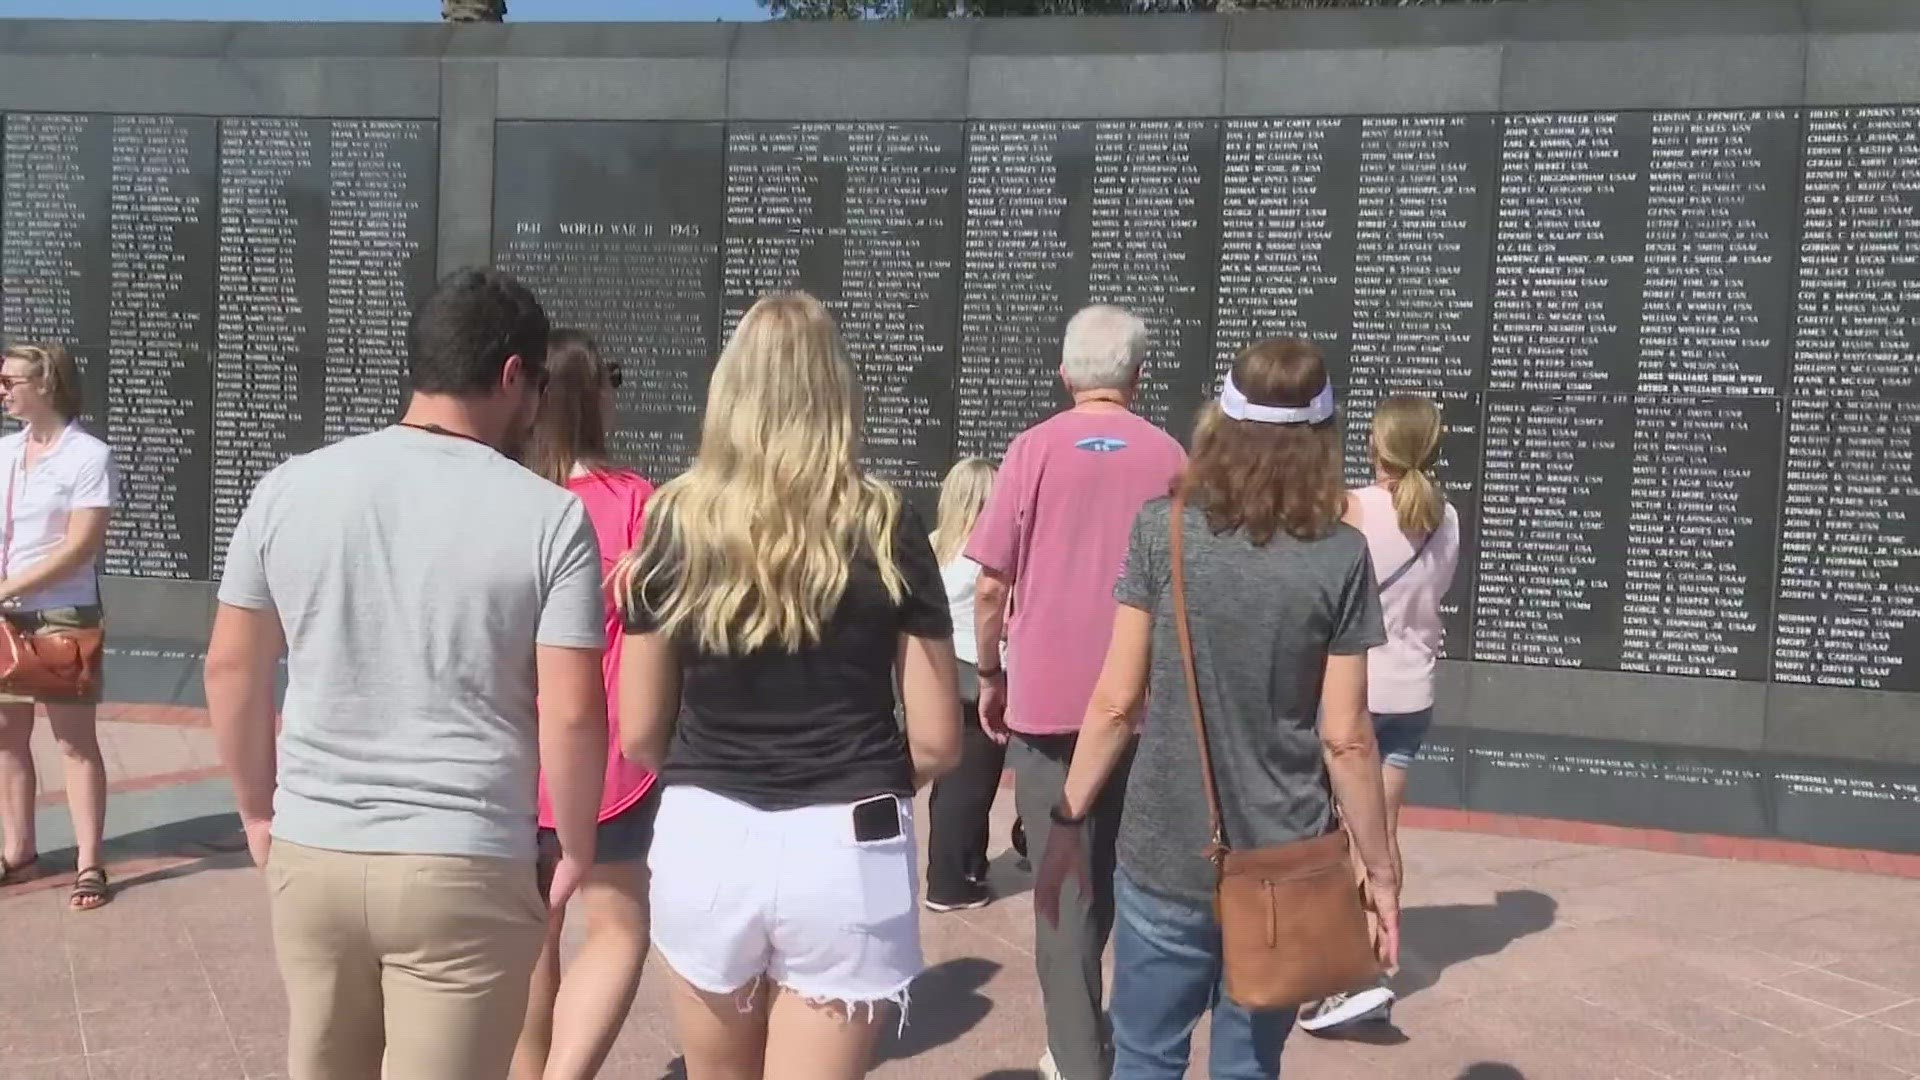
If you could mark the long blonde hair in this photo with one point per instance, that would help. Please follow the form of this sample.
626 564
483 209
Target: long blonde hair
751 547
963 494
1406 441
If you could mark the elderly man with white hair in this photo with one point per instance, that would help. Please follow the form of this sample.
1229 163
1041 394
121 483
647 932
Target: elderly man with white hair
1052 540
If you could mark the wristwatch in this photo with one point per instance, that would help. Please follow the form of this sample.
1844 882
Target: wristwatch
1058 812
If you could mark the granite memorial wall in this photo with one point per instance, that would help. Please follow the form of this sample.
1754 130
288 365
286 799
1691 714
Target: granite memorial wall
1662 276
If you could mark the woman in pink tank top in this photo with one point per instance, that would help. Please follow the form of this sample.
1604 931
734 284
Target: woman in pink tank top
1413 536
572 1022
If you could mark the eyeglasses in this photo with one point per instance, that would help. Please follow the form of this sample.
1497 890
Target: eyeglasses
614 376
8 382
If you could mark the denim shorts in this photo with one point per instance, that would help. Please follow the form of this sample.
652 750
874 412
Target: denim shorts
1401 735
624 837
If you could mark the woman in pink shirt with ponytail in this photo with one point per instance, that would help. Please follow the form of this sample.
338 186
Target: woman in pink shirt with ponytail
1413 536
572 1022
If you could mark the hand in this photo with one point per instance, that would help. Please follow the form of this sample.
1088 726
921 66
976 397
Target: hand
993 707
1383 903
1063 856
259 840
568 873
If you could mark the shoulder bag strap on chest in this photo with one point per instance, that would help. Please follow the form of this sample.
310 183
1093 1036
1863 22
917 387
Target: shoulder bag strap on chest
1217 848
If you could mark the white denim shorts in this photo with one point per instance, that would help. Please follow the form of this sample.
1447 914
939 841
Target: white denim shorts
740 893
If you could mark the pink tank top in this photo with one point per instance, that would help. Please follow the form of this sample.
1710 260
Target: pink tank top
616 501
1400 672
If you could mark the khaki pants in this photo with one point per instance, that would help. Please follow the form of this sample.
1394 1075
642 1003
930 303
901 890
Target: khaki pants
424 957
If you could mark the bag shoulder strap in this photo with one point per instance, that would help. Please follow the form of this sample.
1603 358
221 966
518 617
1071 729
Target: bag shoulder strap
1408 565
1217 848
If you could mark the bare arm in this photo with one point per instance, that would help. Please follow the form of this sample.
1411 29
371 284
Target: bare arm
573 742
990 616
239 675
1353 762
930 690
86 537
1108 725
649 698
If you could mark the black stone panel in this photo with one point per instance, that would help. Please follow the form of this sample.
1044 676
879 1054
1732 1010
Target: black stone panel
617 227
867 218
1062 214
327 244
1629 784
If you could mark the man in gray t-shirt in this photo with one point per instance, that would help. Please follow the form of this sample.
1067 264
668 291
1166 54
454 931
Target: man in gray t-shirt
423 586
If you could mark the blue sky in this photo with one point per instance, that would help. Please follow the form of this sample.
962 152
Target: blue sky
381 10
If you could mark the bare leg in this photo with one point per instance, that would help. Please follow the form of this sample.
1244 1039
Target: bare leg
18 784
597 990
724 1036
536 1032
74 727
1395 781
821 1040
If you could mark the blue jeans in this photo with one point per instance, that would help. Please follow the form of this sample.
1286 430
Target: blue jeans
1166 972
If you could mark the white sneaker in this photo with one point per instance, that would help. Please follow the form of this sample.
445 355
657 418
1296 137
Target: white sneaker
1346 1008
1048 1070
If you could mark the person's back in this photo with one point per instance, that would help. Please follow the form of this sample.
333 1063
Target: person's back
410 570
1400 672
1072 484
425 589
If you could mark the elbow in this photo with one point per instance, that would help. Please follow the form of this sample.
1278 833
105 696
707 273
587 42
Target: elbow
934 762
989 593
1357 747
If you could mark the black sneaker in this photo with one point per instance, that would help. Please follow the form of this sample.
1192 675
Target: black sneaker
975 896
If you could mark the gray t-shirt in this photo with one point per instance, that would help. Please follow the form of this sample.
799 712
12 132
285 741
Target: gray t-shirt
413 573
1264 620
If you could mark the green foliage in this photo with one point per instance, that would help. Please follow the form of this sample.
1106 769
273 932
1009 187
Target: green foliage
473 10
955 9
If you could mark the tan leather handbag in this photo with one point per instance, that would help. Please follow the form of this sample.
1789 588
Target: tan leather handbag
53 663
1293 924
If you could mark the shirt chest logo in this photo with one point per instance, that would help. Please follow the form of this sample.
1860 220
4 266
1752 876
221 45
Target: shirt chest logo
1100 444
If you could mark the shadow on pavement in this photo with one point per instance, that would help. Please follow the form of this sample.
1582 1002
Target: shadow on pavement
1490 1071
162 852
1433 939
948 1002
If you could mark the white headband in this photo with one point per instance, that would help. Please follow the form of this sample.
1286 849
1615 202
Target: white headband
1235 405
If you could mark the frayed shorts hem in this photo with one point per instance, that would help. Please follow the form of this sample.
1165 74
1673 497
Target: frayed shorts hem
742 993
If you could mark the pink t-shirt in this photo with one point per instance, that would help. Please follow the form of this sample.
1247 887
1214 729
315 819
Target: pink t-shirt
1400 672
616 501
1056 526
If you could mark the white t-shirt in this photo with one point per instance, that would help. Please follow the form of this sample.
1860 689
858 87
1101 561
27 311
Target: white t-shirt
75 473
960 576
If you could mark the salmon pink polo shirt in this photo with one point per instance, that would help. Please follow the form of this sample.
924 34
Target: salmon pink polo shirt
616 501
1056 527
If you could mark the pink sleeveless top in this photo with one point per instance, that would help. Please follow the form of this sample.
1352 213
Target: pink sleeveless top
1400 672
616 501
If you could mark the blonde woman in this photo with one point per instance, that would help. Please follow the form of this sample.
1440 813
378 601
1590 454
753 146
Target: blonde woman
960 803
1413 539
777 594
59 492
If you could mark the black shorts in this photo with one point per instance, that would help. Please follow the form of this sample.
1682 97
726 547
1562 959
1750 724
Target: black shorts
624 837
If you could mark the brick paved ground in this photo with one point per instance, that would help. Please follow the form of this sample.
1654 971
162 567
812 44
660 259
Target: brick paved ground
1525 958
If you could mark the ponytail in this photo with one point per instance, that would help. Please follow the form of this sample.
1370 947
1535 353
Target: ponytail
1406 441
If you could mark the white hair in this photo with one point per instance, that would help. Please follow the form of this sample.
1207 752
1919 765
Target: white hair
1104 348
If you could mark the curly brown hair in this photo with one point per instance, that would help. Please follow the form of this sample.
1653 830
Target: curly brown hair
1267 478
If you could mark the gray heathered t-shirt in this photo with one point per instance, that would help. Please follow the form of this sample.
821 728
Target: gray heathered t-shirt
413 573
1264 620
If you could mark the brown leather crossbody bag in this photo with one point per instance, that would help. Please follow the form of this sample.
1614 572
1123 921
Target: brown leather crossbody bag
1293 927
45 662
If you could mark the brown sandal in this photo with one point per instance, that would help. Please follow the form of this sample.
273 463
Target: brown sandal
89 885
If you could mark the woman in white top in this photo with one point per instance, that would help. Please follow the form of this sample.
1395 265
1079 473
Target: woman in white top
961 801
59 490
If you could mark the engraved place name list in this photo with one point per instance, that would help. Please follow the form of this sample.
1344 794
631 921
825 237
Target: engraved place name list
866 217
616 226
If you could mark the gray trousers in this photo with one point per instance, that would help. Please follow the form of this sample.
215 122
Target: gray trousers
1068 956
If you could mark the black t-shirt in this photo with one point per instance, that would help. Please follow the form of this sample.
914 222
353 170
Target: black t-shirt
779 730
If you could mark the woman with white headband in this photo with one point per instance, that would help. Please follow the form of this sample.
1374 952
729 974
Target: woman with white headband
1281 610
